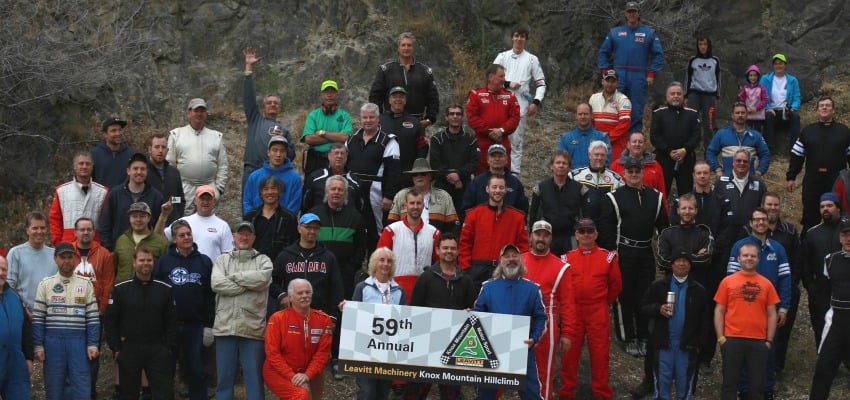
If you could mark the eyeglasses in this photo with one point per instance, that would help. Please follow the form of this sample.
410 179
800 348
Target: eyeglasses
758 219
451 114
585 231
742 161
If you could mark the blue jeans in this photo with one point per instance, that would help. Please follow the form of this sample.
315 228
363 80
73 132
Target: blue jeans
675 364
250 354
66 358
191 342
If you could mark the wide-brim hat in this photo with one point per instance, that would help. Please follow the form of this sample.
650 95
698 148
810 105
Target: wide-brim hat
420 166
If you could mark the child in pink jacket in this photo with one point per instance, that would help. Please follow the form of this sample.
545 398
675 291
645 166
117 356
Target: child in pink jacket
754 95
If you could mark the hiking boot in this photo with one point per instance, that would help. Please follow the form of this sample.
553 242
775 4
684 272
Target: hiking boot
337 375
632 348
642 390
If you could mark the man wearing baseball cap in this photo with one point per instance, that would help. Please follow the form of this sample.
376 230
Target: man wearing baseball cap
211 233
139 233
635 52
783 103
556 287
409 133
525 299
612 112
279 166
111 156
114 219
497 162
198 153
324 126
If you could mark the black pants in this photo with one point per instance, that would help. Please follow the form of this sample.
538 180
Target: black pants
683 173
637 267
155 360
833 350
783 333
819 293
813 187
715 274
737 354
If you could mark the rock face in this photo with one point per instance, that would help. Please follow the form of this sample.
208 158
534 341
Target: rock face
194 50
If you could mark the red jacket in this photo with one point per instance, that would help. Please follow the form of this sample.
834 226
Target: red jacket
71 203
596 275
547 271
298 344
486 110
100 269
486 230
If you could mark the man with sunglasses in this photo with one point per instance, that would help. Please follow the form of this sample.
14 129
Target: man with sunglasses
454 153
737 137
743 189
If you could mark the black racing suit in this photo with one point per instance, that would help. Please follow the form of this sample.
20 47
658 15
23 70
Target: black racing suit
676 128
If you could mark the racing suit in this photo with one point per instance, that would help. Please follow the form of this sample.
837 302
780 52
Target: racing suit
653 175
458 153
595 185
523 68
614 117
824 150
596 284
577 141
415 249
820 241
485 231
556 287
836 340
727 142
517 296
71 202
632 49
485 110
66 326
296 344
676 128
423 100
410 135
376 164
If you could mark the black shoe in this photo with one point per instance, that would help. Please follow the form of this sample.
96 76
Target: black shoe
743 395
642 390
705 368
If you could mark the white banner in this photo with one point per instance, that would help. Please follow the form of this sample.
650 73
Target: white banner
423 344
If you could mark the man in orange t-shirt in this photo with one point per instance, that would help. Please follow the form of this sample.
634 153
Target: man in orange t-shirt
745 322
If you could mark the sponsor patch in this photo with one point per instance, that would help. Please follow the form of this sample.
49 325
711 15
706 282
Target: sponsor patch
79 311
407 124
57 288
316 331
59 310
79 290
79 300
57 299
314 339
623 33
212 230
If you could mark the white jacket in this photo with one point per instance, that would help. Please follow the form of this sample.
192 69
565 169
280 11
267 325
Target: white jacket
241 282
199 156
71 203
525 69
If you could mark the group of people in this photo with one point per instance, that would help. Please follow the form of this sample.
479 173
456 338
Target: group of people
140 259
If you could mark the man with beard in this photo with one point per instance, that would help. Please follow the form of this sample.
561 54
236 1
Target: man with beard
612 112
442 285
415 77
413 241
94 262
675 136
373 157
262 123
577 141
438 210
409 134
165 177
823 147
66 328
325 126
743 189
113 220
189 272
497 161
773 265
557 200
276 226
493 113
525 299
343 230
454 153
821 240
596 180
486 228
596 284
653 175
314 183
280 166
524 77
79 198
630 218
734 138
556 286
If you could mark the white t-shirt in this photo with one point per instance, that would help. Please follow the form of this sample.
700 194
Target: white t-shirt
211 234
779 91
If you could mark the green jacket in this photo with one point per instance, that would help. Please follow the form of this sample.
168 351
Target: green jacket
125 247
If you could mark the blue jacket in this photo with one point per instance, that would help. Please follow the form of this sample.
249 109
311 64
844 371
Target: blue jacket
290 199
632 48
16 329
577 141
114 220
189 278
726 142
476 192
773 265
514 297
110 169
367 292
792 96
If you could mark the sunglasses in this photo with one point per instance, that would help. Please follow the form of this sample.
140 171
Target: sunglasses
454 113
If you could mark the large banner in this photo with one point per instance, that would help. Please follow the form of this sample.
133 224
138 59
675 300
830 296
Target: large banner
423 344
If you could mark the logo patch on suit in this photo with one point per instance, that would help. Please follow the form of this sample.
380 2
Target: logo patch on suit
181 276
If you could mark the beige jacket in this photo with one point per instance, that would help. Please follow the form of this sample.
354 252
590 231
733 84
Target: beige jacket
241 282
